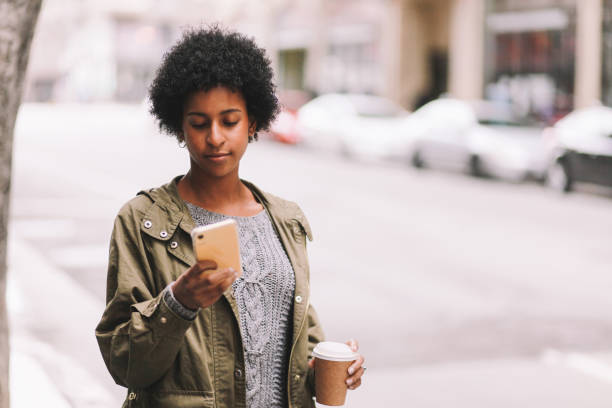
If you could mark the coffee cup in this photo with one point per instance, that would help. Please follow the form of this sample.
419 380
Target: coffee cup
332 361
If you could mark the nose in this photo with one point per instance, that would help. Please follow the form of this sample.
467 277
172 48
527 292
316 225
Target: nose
215 136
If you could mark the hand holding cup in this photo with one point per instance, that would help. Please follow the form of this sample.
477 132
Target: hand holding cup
356 369
337 367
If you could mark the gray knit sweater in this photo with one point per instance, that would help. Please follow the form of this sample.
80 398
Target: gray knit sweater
264 295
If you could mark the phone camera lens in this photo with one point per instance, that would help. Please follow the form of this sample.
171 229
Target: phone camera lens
200 236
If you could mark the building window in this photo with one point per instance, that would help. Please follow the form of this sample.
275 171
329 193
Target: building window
352 67
139 46
530 56
291 68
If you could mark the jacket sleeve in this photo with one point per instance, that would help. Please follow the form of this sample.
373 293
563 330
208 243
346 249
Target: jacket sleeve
139 335
315 335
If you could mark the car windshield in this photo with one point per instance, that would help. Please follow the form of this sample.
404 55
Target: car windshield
498 114
373 106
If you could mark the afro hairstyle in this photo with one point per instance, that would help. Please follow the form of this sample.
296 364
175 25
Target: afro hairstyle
208 57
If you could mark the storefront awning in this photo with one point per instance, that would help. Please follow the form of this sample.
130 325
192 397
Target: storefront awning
532 20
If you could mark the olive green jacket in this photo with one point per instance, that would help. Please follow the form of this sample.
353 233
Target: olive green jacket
166 361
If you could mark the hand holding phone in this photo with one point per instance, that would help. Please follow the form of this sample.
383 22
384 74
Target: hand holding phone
195 289
218 265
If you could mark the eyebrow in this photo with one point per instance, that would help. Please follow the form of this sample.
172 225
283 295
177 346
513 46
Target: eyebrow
223 112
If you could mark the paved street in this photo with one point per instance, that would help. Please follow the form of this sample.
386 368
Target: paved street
462 292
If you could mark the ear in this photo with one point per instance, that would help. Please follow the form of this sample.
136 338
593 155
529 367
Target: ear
252 128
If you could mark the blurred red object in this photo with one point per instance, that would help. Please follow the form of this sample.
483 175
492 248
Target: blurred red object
284 127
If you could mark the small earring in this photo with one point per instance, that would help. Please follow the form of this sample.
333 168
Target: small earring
182 143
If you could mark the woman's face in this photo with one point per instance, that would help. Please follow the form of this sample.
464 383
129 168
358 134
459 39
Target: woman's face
216 130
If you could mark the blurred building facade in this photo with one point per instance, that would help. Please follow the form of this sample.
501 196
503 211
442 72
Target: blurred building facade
547 56
396 48
108 50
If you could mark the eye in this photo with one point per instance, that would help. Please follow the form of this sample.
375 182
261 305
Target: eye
199 125
229 123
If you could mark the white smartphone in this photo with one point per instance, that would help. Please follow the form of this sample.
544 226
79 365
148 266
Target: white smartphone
218 242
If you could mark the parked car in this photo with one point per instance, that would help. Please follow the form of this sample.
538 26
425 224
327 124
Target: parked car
355 125
482 138
580 149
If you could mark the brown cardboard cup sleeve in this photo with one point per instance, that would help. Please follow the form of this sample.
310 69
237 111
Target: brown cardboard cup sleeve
332 361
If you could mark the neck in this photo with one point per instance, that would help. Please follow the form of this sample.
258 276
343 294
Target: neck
211 192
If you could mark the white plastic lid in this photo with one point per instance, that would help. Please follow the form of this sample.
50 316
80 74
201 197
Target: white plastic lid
333 351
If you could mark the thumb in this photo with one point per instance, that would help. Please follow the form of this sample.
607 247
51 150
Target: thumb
353 344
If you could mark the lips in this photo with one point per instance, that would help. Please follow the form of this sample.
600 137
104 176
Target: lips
216 156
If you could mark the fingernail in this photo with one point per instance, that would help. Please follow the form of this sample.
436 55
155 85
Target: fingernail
351 371
349 381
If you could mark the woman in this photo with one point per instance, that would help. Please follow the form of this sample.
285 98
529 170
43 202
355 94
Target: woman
179 338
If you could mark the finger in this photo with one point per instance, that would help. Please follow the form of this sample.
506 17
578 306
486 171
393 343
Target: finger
206 265
353 344
201 266
355 377
221 285
354 384
214 278
356 365
311 363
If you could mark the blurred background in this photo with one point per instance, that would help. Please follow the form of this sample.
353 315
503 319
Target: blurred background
454 158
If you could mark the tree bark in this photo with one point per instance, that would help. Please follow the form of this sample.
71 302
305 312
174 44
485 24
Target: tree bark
17 22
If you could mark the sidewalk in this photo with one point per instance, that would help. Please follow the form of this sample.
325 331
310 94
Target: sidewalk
24 369
53 347
52 322
30 385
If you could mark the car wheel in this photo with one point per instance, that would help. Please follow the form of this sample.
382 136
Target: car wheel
475 166
558 177
416 160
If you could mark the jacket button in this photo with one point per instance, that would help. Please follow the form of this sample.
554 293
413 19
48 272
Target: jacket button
297 377
238 373
174 245
163 234
163 320
148 224
298 299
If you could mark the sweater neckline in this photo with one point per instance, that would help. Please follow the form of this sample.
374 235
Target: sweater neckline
191 206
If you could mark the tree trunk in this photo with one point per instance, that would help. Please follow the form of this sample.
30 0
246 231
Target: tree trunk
17 22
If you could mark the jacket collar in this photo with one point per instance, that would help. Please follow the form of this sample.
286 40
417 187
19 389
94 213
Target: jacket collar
169 205
167 212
